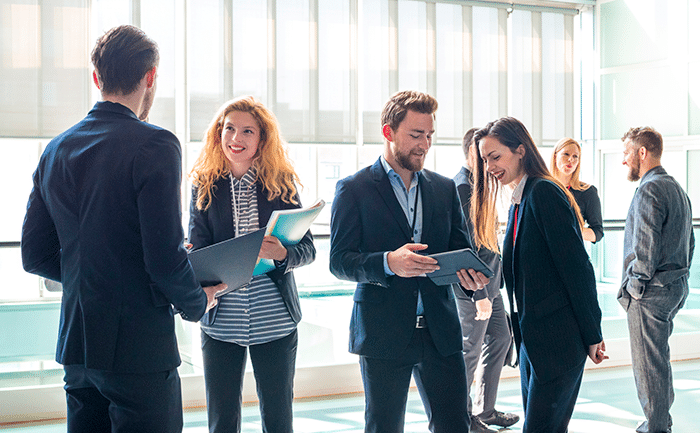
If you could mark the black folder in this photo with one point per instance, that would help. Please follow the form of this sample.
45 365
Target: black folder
231 261
452 261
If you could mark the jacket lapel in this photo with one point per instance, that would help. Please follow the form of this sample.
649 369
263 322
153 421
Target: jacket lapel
385 190
425 185
223 207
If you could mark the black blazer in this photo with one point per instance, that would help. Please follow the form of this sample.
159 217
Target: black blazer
104 219
549 274
216 224
589 203
367 221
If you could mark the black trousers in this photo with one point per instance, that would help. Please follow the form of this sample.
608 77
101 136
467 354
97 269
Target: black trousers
273 367
548 405
441 382
102 401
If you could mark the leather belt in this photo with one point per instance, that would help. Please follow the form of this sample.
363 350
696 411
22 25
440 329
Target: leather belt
421 322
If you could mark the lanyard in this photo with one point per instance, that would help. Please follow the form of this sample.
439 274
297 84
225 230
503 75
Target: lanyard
415 209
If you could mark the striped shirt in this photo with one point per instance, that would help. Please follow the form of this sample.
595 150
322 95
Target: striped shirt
256 313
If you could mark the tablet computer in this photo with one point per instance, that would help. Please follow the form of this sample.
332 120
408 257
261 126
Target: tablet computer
452 261
231 261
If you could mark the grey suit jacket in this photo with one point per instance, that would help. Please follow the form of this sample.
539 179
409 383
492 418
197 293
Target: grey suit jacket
659 240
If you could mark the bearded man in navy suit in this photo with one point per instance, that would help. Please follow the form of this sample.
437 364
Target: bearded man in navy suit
104 219
385 219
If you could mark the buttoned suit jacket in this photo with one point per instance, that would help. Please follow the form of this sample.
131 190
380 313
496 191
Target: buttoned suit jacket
215 224
367 221
550 277
104 218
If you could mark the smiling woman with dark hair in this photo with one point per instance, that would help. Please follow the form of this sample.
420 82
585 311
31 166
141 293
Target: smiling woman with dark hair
550 281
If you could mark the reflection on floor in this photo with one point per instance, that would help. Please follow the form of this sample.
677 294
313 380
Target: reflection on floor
607 403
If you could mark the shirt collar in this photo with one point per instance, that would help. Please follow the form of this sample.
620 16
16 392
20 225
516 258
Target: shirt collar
518 191
389 170
248 178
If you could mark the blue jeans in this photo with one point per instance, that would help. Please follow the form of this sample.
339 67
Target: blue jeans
650 323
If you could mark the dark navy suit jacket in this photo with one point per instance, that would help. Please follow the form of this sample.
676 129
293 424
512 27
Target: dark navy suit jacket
104 218
549 274
367 220
216 225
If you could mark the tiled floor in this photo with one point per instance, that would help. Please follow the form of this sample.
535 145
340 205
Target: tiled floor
607 403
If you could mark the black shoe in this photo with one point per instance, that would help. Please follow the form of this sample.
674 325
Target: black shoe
478 426
500 419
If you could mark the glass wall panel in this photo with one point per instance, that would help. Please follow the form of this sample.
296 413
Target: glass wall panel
524 66
64 60
413 46
43 66
653 96
15 284
292 68
448 160
617 191
634 31
556 70
694 97
304 159
18 160
378 57
694 182
158 21
452 57
336 121
487 68
205 65
20 65
249 59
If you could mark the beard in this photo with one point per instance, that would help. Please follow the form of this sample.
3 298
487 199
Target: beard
405 161
633 173
148 98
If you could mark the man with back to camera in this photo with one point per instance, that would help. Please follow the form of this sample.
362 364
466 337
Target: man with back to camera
104 219
402 323
486 335
658 250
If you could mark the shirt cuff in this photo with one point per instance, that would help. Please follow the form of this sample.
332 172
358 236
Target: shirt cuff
387 271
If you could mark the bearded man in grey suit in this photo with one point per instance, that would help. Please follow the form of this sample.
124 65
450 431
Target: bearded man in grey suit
658 250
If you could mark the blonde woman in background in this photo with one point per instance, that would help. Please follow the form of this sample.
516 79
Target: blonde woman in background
566 166
242 174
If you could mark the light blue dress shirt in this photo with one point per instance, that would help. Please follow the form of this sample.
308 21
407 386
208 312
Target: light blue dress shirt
407 200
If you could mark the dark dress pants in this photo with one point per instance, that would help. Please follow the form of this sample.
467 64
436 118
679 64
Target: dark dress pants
103 401
440 380
548 405
273 368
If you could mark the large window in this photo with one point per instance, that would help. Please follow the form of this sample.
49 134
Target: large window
324 67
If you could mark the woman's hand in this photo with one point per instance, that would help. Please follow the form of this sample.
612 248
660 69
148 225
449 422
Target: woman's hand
272 249
588 234
483 309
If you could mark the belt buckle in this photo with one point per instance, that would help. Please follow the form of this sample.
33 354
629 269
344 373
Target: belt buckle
420 322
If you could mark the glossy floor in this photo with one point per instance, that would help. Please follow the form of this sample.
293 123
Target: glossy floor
607 403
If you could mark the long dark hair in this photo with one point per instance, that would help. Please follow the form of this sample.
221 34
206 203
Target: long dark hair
511 133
